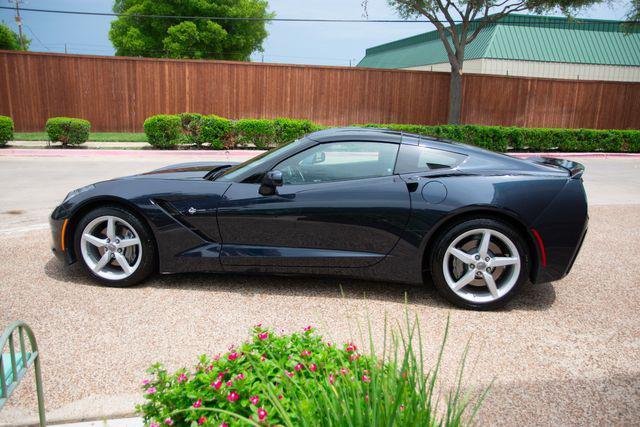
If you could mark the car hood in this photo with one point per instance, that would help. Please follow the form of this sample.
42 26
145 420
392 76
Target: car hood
184 171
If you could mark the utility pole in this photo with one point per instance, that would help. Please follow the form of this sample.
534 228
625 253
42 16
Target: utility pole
19 21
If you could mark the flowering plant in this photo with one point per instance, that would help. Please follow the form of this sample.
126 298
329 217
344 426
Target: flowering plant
299 379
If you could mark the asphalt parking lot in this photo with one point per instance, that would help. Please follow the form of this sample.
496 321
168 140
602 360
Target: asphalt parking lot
564 353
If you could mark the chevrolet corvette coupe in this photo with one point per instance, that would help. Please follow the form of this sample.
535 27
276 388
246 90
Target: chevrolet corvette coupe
356 202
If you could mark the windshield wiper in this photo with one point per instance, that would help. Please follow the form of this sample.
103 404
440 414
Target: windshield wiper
215 173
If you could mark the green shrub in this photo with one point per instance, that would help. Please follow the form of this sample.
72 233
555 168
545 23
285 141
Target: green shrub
300 379
6 130
216 131
257 132
288 130
164 130
191 128
67 130
500 138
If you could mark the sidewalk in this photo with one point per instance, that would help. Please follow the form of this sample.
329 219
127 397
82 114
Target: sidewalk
88 144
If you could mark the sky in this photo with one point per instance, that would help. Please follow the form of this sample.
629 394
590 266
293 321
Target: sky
288 42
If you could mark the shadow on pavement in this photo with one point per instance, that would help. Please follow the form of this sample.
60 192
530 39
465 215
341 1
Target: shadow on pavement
532 298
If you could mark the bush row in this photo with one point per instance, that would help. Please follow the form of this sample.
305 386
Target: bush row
500 138
170 130
59 129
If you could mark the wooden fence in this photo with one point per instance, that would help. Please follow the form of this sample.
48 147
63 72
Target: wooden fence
117 94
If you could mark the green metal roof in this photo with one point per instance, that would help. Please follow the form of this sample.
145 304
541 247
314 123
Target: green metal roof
524 38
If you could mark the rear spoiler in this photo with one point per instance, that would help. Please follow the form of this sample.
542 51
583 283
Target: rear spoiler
575 169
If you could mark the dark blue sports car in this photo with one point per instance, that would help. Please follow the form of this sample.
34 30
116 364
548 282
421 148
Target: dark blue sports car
363 203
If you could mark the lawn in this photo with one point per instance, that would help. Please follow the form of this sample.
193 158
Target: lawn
94 136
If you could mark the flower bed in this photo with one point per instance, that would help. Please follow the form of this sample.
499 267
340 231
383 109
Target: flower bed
300 379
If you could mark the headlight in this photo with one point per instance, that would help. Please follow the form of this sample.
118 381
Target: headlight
78 191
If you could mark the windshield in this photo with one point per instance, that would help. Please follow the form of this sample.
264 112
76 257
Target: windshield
234 172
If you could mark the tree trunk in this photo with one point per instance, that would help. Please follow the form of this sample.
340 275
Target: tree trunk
455 97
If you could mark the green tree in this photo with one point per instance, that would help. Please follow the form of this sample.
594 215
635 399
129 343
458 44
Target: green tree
9 40
460 21
189 38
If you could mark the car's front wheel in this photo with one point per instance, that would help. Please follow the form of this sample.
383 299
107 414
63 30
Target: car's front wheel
480 264
115 247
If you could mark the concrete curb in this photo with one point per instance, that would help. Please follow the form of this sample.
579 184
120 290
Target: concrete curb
233 155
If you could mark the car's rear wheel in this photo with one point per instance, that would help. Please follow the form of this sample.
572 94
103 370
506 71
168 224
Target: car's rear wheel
115 247
480 264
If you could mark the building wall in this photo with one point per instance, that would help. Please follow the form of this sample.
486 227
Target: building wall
556 70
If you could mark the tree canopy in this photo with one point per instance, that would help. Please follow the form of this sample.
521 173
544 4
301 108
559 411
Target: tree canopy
9 40
189 38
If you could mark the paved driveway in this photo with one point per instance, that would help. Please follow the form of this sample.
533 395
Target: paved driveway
562 353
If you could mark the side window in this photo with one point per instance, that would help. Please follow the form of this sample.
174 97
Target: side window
415 158
338 161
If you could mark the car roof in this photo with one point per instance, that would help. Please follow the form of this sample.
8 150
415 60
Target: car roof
356 134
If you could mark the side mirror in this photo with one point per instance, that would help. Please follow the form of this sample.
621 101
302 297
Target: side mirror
270 181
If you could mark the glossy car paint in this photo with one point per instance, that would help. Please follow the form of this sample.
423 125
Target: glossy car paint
376 228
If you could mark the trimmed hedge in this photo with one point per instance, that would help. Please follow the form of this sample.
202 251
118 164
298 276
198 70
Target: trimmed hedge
6 130
164 130
220 133
169 130
67 130
502 139
216 131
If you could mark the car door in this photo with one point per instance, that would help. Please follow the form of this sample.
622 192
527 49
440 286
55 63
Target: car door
340 206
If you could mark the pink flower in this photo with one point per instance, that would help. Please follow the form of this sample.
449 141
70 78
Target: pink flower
305 353
229 383
298 367
329 344
351 347
221 375
366 379
240 376
258 325
262 414
332 379
263 358
344 371
263 336
402 407
254 400
202 420
198 403
145 382
216 357
154 425
151 390
313 367
182 378
233 396
308 328
289 374
232 356
168 421
216 384
280 397
224 425
353 357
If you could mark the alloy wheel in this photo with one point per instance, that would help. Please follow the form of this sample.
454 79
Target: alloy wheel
111 247
481 265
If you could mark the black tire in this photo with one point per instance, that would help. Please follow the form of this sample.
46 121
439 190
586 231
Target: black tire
148 259
447 237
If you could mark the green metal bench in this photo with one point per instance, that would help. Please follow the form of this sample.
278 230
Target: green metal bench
14 367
